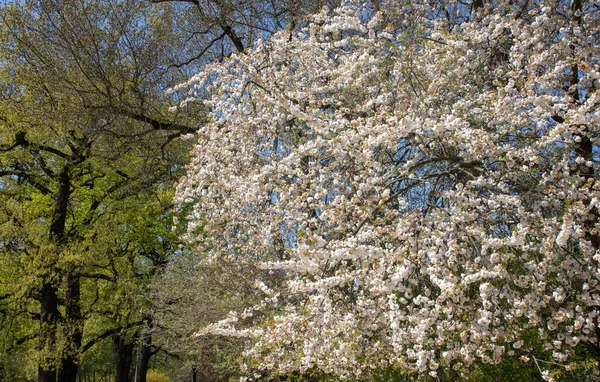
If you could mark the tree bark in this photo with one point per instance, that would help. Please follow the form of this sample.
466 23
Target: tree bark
48 319
144 351
49 313
237 42
74 327
123 355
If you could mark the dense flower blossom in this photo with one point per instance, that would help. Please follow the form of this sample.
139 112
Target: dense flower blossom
426 194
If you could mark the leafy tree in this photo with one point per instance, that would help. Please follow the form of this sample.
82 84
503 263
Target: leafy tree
85 138
422 182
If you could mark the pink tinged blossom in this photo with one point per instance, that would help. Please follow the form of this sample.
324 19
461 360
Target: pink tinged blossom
399 217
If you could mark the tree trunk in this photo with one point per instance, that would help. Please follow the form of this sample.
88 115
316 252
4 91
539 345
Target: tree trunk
144 351
123 354
49 313
74 330
48 319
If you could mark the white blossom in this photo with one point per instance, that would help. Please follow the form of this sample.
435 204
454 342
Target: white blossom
421 203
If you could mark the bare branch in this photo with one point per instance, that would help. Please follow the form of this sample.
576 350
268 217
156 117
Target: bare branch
156 124
189 61
232 36
195 2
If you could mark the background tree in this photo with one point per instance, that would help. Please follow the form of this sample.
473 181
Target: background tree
191 294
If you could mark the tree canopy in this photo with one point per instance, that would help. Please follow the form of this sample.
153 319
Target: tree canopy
86 151
420 182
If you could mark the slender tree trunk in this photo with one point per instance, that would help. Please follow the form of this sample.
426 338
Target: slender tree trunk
123 355
144 351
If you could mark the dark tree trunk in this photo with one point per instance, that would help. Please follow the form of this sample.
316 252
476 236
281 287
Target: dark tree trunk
49 313
144 351
48 319
74 327
123 354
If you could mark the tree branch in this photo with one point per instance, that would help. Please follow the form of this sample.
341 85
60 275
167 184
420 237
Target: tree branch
232 36
156 124
21 341
187 62
195 2
22 141
109 333
22 174
97 276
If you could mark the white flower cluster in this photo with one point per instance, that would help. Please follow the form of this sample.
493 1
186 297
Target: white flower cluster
423 203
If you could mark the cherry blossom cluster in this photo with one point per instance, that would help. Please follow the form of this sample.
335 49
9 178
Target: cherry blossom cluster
422 191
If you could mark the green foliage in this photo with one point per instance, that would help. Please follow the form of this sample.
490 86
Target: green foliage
86 181
97 362
17 366
510 370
